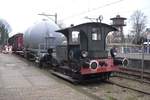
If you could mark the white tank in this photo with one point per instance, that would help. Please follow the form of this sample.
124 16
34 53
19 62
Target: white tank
40 32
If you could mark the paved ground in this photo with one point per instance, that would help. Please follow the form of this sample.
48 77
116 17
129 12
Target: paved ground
20 80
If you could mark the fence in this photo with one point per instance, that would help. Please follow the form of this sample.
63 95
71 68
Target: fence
137 55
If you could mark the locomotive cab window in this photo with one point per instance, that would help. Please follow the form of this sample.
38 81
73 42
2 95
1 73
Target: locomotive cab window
96 34
75 36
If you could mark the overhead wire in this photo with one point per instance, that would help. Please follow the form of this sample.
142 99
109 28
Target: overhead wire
94 9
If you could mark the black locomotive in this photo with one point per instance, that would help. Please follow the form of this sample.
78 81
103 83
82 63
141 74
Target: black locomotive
84 56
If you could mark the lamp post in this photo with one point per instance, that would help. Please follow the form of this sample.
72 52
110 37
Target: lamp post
148 38
47 15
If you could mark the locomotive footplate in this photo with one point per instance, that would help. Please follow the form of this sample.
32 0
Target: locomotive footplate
82 79
65 77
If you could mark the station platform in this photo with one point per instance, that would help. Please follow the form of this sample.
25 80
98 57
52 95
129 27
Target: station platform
20 80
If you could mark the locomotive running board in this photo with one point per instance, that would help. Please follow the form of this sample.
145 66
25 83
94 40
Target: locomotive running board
63 76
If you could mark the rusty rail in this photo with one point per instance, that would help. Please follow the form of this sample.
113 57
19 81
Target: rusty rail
136 73
110 82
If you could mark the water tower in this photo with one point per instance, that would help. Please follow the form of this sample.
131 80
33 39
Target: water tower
118 22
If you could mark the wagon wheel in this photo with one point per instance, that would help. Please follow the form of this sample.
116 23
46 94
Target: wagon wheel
40 64
54 63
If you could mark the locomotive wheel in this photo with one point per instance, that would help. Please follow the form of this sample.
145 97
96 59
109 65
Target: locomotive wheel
45 65
42 64
75 67
26 55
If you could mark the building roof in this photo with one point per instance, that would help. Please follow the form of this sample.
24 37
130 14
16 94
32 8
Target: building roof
118 17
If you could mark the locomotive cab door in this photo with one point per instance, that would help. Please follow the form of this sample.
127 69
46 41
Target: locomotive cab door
78 43
74 45
83 41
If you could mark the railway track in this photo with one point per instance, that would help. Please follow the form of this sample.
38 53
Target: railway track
123 86
135 74
83 86
96 90
92 90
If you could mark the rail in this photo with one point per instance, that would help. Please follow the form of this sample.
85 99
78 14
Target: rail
117 84
135 74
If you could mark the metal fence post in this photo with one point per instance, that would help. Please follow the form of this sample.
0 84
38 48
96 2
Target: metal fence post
142 67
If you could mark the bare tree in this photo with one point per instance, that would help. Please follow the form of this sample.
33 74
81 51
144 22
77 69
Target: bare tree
4 33
138 21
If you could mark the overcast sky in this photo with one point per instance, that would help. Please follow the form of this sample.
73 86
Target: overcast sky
20 14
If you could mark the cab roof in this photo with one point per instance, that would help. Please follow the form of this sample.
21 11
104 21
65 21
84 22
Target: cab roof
65 30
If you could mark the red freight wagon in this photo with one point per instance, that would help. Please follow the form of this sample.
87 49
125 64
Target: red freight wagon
17 42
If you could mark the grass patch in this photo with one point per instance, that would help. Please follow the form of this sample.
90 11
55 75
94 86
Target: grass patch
131 98
111 98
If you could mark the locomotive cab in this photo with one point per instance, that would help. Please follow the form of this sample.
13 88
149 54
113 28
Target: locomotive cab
85 53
